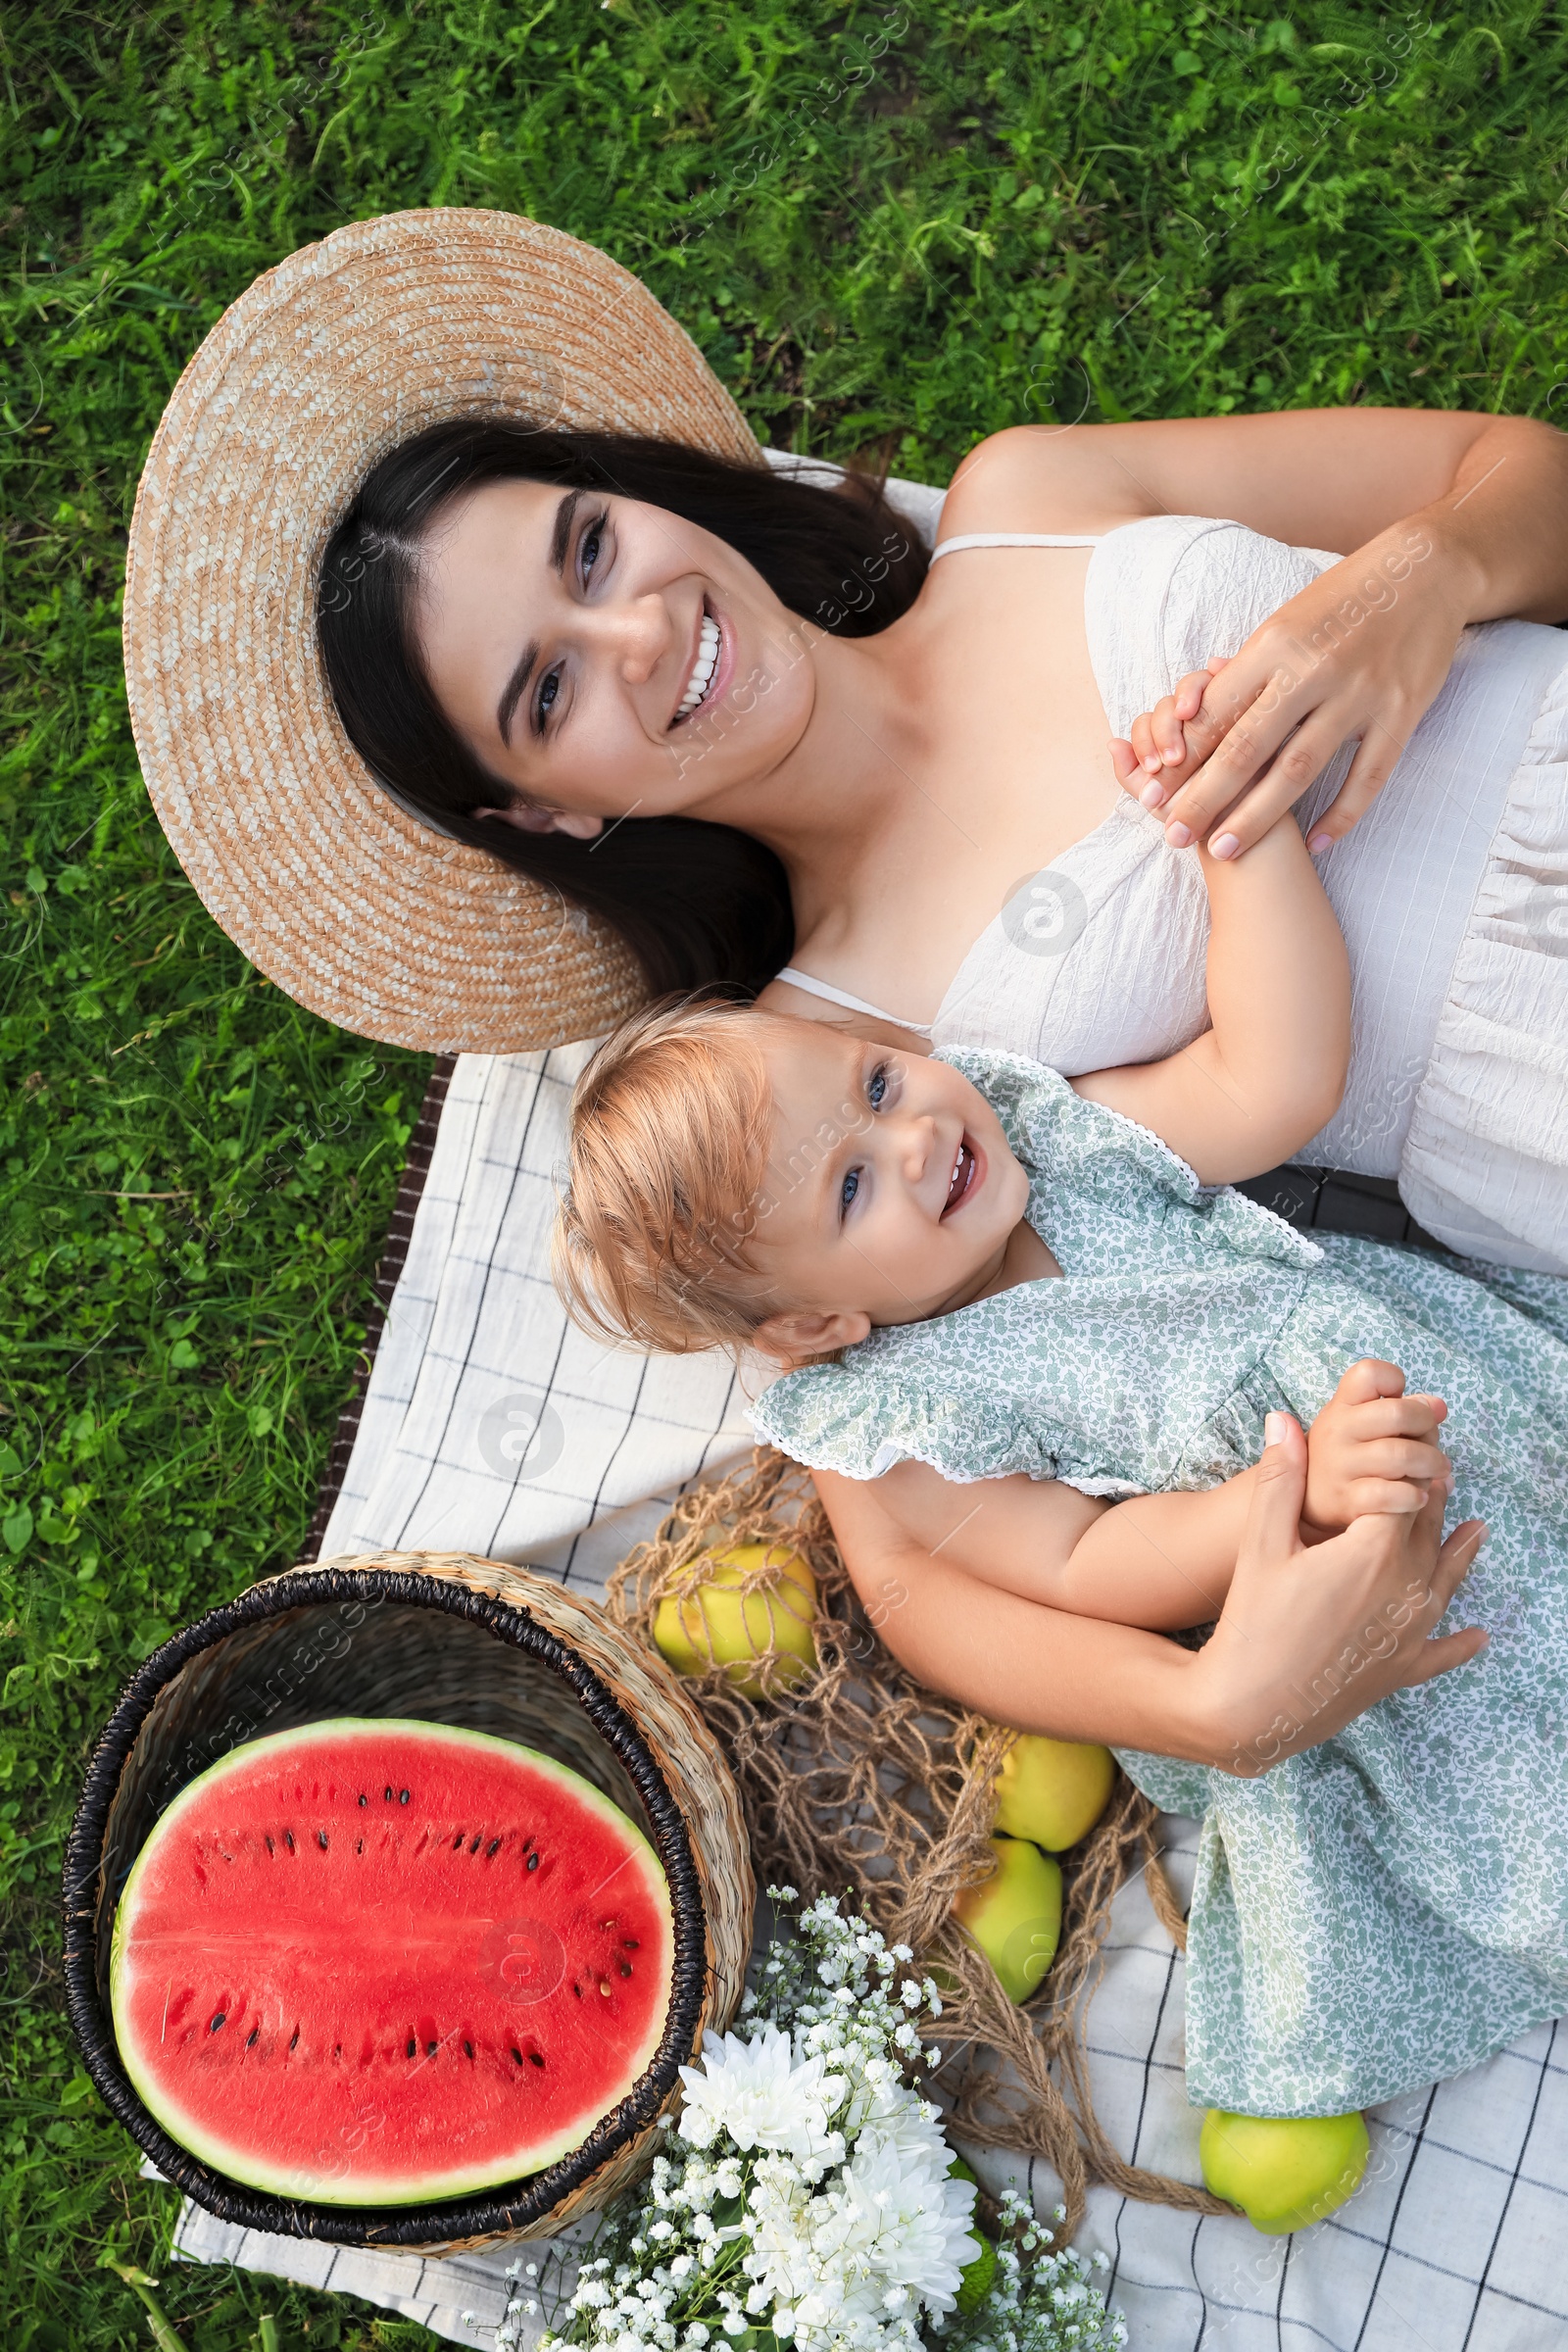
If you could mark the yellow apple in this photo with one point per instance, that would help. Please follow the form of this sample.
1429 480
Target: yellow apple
1053 1791
1015 1917
1284 2172
719 1626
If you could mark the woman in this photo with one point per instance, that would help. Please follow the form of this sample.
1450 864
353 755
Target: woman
565 641
611 694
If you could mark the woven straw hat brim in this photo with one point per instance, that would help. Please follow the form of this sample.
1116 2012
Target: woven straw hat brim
323 366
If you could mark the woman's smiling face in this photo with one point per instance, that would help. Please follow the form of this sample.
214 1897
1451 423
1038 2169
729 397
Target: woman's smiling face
602 655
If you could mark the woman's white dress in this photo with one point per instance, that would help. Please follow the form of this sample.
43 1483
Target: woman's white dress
1452 893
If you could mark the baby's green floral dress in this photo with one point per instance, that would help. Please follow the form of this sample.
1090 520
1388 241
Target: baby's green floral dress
1392 1904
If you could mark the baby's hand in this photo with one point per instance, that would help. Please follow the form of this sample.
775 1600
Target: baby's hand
1158 757
1370 1450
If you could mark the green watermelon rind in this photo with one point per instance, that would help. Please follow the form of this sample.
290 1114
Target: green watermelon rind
241 2164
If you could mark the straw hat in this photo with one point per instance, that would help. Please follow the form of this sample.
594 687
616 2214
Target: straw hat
324 364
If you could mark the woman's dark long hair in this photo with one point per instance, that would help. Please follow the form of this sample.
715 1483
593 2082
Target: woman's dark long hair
698 903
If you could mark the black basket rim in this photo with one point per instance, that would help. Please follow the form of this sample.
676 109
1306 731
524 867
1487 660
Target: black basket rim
487 2213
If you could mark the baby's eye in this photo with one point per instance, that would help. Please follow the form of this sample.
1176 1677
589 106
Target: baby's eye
876 1086
847 1190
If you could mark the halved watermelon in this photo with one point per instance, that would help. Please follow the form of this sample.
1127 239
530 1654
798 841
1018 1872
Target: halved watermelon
382 1963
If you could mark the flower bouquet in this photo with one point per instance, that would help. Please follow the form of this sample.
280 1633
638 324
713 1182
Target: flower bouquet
806 2196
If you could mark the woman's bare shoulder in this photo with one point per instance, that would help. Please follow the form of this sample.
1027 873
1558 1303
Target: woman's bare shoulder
1032 478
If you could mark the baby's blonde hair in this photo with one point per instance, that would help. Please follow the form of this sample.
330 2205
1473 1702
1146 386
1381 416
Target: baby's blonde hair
671 1123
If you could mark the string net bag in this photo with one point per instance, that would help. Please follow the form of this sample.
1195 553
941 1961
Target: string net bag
856 1780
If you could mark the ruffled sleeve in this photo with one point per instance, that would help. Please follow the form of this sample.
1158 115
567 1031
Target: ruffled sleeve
1101 1187
862 1415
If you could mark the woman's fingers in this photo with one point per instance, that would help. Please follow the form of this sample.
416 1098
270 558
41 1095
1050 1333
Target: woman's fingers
1443 1655
1274 1514
1250 787
1376 758
1456 1558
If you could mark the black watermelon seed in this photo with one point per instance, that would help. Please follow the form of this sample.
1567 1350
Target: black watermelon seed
533 1861
413 2050
365 1801
467 2049
625 1968
577 1990
402 1797
387 1793
359 1847
293 2037
320 1839
494 1847
629 1943
457 1841
218 2020
431 2048
478 1842
288 1840
250 2039
534 2058
271 1847
518 2054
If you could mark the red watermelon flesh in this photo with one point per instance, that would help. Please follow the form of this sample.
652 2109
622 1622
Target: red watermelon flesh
379 1963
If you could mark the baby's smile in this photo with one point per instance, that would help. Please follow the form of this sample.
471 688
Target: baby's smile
968 1174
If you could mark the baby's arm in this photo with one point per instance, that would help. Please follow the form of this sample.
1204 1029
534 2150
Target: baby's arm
1270 1069
1160 1561
1165 1562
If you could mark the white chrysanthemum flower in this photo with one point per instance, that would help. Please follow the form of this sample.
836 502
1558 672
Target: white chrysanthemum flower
758 2094
892 2116
908 2220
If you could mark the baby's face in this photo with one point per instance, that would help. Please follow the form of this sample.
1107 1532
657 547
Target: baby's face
891 1192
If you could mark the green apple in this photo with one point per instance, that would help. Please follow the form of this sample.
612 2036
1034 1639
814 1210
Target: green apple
976 2277
1283 2172
1015 1916
1053 1791
717 1625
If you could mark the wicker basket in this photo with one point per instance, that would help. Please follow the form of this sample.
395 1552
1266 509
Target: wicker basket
445 1638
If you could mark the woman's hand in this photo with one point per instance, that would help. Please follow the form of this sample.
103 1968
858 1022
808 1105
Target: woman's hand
1310 1639
1358 656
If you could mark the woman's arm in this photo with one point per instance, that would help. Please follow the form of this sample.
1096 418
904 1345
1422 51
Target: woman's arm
1443 519
1269 1070
1335 478
1305 1641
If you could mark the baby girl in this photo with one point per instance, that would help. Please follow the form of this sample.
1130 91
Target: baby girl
976 1268
746 1179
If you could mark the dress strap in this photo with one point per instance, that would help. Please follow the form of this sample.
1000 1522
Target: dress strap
951 546
838 995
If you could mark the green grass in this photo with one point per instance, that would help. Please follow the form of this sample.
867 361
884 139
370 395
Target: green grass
1116 208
